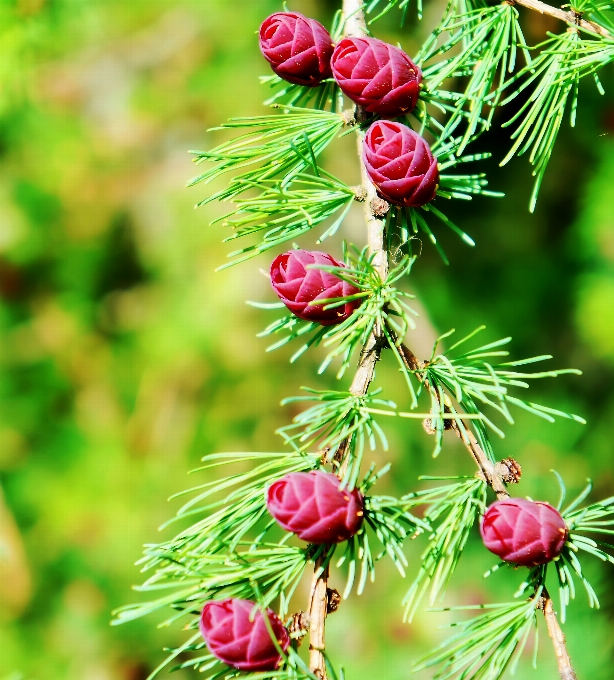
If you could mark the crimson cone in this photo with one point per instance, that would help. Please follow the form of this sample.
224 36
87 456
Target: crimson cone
378 76
311 505
400 164
239 640
524 532
298 286
299 49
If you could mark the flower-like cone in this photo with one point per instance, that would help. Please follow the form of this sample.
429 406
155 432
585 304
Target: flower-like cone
237 640
400 164
297 286
378 76
524 532
311 505
299 49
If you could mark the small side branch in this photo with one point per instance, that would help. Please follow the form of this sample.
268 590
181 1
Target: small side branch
493 476
487 469
494 479
571 18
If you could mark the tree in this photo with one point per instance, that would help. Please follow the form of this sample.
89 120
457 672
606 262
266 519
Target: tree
357 309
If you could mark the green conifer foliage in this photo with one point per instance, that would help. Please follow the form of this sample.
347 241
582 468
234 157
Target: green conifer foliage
475 62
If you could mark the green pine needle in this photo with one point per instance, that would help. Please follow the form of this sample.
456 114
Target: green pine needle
403 5
325 96
337 418
487 645
476 379
285 211
279 146
553 76
453 510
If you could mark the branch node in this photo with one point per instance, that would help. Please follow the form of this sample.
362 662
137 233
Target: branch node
324 455
509 470
379 207
299 626
333 600
427 424
448 423
348 117
360 193
340 453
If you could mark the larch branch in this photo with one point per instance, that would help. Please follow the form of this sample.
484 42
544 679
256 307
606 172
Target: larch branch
572 18
487 468
355 26
493 478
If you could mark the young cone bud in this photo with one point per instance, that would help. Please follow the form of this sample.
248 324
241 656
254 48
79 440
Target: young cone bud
378 76
400 164
297 286
299 49
524 532
240 642
311 505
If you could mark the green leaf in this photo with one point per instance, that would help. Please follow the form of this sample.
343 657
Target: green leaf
489 38
477 378
325 96
339 423
403 5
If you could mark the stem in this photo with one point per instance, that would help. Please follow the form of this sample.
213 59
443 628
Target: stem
495 481
572 18
557 636
491 476
355 26
318 608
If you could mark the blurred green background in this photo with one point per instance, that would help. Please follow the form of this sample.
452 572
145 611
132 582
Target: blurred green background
125 357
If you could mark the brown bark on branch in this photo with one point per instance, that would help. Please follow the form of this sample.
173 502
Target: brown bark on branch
318 608
557 636
487 468
571 18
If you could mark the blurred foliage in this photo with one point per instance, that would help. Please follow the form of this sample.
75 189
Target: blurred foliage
125 358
